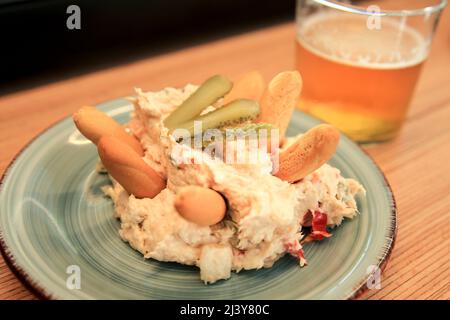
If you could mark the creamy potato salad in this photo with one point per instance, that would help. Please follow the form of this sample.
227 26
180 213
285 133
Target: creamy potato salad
264 213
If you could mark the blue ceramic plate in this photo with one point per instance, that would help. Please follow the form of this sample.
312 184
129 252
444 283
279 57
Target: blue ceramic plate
54 219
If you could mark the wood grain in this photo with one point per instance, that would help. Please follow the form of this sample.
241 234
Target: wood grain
416 163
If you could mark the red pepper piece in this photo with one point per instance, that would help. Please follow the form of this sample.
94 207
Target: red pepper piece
319 227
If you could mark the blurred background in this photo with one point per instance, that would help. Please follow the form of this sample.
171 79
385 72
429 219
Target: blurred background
35 49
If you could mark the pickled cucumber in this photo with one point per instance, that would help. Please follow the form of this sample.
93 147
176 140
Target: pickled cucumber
209 92
232 114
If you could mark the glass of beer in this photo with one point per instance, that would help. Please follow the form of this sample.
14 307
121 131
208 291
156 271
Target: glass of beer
360 61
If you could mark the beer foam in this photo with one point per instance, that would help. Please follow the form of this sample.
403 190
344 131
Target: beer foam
348 40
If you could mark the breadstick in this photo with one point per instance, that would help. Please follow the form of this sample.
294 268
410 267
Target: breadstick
249 86
200 205
308 153
130 170
94 124
279 100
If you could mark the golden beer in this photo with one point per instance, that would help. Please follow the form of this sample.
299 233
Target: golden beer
359 79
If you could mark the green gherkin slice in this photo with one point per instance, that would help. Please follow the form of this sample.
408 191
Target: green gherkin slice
232 114
248 128
246 131
208 93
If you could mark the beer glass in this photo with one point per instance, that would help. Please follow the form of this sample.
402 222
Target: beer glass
360 61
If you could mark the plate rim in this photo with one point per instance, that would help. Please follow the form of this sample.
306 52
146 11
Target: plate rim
40 292
362 287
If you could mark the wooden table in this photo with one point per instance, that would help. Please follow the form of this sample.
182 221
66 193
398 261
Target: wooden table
417 163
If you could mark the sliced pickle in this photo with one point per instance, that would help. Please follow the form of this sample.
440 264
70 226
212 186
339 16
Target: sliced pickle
248 128
209 92
232 114
246 131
